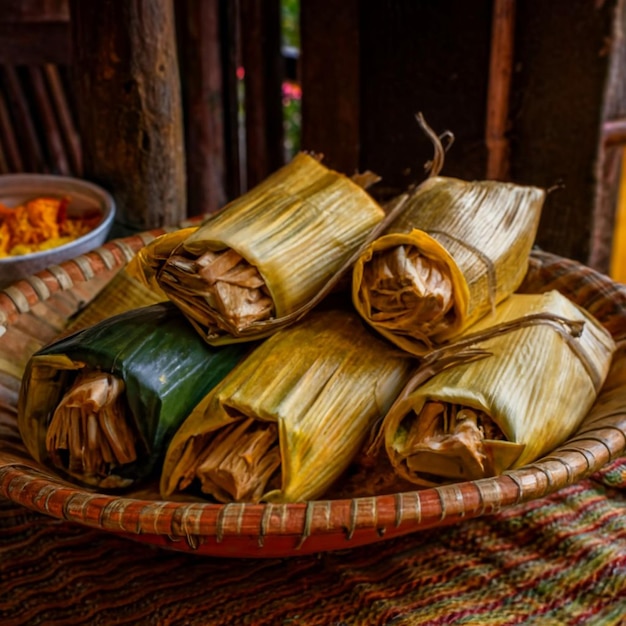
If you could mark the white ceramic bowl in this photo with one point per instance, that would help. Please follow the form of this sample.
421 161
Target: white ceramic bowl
15 189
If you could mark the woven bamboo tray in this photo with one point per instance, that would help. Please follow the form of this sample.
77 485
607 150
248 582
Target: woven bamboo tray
36 310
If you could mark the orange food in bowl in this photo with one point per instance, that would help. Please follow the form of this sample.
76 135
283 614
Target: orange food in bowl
41 224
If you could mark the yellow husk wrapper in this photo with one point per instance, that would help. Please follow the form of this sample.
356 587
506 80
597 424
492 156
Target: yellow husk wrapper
323 382
536 384
479 234
296 228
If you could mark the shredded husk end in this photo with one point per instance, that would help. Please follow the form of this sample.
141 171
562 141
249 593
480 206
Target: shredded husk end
89 436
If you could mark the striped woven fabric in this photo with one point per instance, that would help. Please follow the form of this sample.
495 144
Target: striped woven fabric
557 560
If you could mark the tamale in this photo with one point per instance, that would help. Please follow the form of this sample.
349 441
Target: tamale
523 380
268 252
100 405
286 422
457 250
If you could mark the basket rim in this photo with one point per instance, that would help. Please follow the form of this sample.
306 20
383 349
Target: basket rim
413 510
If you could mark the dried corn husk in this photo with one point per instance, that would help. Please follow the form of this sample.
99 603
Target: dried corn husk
100 406
269 252
531 373
145 265
287 421
456 251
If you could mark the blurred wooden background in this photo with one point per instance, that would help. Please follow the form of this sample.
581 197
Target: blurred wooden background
177 107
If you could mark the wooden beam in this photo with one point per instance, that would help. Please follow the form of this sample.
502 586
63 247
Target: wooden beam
230 49
614 132
499 93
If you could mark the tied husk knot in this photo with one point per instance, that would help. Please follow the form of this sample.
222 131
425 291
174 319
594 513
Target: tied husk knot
457 250
513 388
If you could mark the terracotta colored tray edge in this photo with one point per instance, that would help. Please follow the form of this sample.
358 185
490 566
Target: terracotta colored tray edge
281 529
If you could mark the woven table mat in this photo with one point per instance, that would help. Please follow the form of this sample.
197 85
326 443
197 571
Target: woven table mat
557 560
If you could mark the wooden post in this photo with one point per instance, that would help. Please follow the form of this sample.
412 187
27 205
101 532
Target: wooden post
199 38
263 64
330 67
229 21
499 91
611 149
129 107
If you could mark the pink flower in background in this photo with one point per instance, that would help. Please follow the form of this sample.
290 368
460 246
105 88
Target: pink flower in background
291 102
291 91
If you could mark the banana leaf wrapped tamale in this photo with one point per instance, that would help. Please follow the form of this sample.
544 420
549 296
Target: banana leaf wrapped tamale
456 251
269 252
286 422
523 380
100 405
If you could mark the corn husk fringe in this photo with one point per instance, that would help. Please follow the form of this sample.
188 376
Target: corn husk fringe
288 420
507 392
457 250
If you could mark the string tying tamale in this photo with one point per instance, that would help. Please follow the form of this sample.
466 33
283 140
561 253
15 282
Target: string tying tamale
286 422
457 250
268 252
100 405
521 383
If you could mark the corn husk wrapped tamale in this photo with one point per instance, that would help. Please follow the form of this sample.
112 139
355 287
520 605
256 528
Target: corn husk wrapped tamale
286 422
530 374
457 250
269 252
99 406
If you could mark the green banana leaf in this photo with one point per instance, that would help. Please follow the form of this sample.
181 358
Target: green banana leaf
166 370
